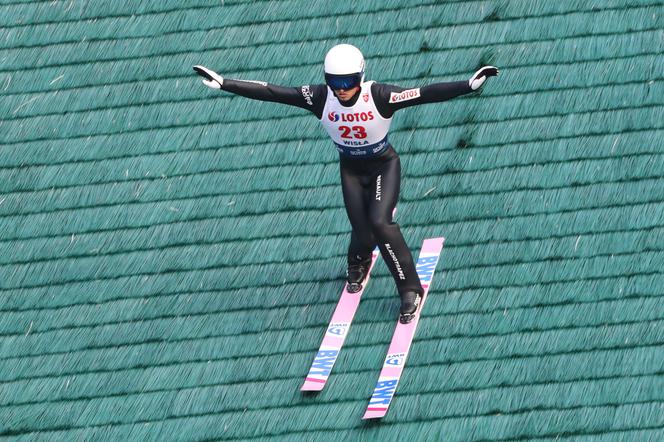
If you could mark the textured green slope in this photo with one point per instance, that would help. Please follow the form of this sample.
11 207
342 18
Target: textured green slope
170 256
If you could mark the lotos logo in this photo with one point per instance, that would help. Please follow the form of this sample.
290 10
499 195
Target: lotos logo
406 95
365 97
357 116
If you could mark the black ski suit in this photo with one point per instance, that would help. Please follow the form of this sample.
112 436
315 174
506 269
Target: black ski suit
370 183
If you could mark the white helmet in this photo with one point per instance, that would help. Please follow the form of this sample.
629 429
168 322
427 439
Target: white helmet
344 67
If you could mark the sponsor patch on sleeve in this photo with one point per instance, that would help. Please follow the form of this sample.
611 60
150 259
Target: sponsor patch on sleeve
308 95
408 94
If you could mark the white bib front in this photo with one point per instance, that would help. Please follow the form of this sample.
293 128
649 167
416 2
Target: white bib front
357 131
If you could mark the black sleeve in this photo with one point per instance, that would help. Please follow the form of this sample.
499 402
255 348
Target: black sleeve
390 98
309 97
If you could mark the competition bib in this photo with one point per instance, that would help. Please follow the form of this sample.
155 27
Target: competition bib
357 131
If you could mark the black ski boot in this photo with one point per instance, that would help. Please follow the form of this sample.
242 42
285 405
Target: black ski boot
358 269
410 303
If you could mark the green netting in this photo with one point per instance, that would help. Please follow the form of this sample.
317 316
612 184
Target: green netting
170 256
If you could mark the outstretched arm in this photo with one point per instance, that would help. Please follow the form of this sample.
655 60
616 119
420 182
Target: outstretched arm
311 98
390 99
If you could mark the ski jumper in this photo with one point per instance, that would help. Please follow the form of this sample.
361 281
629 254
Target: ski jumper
369 166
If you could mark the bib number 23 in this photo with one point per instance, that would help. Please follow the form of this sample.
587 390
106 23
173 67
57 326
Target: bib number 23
353 132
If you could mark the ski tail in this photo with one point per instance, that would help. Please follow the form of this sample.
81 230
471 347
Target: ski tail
403 336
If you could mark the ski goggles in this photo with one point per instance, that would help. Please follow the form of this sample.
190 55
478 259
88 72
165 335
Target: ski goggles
336 82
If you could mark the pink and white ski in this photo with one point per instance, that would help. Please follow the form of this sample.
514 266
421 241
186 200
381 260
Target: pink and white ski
403 336
335 335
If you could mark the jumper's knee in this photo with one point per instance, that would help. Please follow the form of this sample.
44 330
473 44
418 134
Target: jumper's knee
381 227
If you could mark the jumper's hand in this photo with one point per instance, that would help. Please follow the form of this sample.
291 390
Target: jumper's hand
478 78
212 79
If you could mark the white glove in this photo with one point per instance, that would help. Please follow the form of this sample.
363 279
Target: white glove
212 79
478 78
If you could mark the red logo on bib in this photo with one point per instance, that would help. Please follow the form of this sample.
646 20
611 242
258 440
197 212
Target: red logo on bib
357 116
365 97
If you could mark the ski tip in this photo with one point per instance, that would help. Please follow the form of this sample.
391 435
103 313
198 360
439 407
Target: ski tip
433 244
